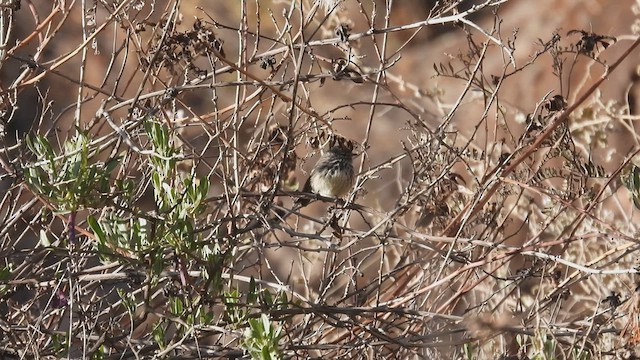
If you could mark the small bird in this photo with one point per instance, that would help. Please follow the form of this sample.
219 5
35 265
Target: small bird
332 176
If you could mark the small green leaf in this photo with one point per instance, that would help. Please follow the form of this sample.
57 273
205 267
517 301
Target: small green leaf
44 239
96 228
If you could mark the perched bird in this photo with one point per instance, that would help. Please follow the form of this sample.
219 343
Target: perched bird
332 176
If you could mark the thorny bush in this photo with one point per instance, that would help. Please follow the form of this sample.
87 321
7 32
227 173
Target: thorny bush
152 153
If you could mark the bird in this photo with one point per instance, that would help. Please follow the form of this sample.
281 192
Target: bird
332 176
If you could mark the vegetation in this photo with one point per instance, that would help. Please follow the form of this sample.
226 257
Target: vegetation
151 154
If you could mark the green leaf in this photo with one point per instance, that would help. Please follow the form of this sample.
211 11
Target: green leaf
96 228
44 239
